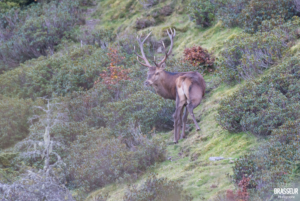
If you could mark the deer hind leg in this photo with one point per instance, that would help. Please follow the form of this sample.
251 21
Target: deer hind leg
184 120
195 97
190 108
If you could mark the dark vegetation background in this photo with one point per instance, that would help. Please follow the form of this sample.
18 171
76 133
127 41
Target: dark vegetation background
74 96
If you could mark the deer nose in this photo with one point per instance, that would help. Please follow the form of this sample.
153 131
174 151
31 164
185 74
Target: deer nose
146 83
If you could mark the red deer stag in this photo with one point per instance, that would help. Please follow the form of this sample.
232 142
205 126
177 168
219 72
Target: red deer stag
186 88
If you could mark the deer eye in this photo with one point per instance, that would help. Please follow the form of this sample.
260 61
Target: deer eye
156 73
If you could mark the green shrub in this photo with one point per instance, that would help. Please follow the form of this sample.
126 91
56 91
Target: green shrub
246 14
266 104
14 125
98 37
35 31
245 56
96 159
58 74
259 10
142 108
274 163
157 189
203 12
229 12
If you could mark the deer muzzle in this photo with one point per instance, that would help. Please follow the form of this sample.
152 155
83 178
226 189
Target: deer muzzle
147 83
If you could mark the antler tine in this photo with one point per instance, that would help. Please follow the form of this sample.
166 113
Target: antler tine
141 43
141 62
171 36
147 37
137 53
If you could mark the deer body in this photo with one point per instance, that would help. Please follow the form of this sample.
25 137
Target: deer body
186 88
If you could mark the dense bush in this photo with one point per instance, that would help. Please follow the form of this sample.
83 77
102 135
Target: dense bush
14 116
6 5
245 56
98 37
33 32
157 189
203 11
144 22
142 108
259 10
243 13
266 104
229 12
274 163
35 187
199 56
96 159
58 74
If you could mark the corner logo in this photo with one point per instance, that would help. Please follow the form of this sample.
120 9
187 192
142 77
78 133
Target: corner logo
286 191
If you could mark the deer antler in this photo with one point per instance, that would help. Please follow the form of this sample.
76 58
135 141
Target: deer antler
171 36
141 43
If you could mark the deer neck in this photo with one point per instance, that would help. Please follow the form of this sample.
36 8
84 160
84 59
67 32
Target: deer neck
165 86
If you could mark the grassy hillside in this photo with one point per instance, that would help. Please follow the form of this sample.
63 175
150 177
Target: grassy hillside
104 132
189 160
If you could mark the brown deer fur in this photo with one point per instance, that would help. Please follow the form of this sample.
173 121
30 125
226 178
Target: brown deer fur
186 88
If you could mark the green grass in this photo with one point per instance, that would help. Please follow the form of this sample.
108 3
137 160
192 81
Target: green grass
190 158
114 15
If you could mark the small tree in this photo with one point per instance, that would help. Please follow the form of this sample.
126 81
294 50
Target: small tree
44 184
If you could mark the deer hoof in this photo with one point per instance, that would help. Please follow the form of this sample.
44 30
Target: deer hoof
198 129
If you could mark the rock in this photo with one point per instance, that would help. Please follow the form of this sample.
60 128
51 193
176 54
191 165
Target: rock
216 158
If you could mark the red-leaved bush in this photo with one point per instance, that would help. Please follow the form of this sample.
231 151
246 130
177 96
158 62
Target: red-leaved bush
199 56
242 194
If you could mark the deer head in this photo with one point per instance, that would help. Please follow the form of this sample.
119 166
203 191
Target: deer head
155 72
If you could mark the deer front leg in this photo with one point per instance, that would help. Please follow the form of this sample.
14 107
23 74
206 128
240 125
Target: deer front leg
177 120
184 120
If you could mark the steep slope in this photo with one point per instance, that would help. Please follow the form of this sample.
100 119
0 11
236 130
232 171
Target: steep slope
188 162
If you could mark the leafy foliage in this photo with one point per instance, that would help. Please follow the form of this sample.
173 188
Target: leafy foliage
98 37
245 56
6 5
157 189
59 74
33 32
203 12
35 187
97 159
14 124
264 105
243 13
257 11
274 163
46 183
267 106
199 56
